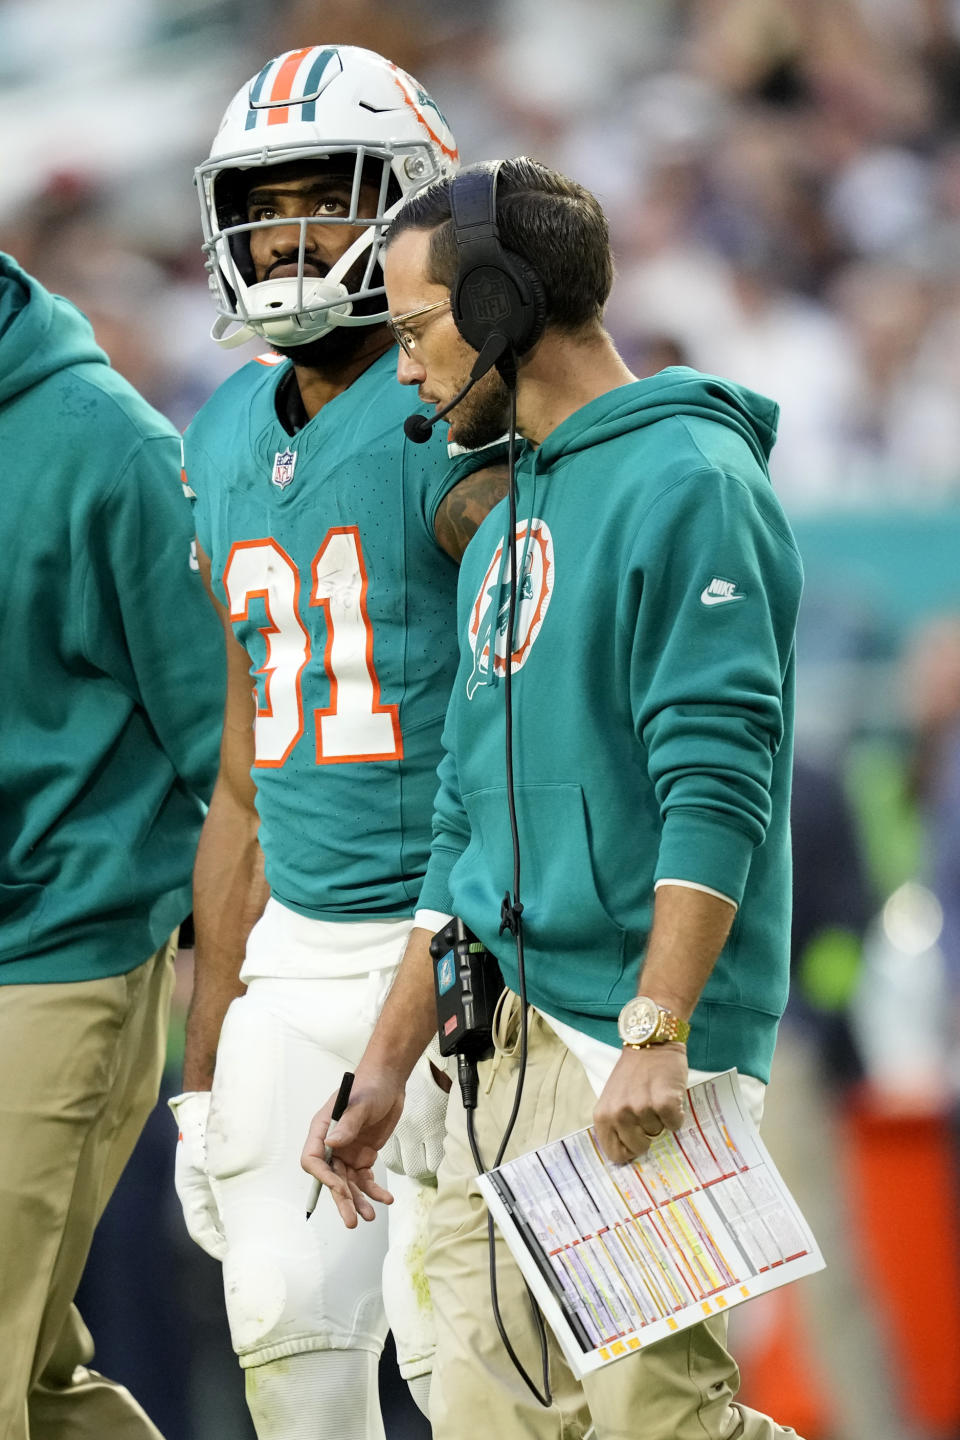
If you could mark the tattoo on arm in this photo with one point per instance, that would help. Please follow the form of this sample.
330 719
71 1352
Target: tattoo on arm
462 510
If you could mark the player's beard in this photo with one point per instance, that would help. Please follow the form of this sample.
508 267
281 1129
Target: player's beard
331 352
344 342
483 415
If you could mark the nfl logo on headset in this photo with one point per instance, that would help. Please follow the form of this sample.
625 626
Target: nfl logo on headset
485 296
283 466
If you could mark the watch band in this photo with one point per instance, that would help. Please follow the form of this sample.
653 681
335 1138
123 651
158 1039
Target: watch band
671 1027
668 1027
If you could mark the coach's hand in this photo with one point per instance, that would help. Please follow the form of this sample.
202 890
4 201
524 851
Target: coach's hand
200 1210
645 1095
376 1103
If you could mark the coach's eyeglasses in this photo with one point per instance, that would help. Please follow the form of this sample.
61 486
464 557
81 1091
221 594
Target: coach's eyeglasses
399 327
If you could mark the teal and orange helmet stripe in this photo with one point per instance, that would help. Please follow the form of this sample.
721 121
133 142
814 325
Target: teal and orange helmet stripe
284 87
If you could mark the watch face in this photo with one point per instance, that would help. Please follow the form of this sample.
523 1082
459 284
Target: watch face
638 1020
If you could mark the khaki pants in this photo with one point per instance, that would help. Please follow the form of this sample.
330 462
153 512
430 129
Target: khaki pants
80 1068
682 1388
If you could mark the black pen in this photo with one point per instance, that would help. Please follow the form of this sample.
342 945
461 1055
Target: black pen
339 1105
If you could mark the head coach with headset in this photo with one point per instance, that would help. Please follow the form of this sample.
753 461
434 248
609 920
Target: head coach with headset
612 820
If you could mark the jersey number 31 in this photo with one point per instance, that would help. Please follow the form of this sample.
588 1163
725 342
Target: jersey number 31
354 726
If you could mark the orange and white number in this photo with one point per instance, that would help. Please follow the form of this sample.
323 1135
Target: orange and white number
354 726
261 569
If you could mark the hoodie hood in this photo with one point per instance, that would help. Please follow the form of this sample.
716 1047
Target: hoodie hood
40 333
676 391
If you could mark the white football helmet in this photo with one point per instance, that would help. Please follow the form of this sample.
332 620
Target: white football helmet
321 102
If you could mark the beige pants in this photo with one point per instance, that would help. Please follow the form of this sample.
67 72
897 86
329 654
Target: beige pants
682 1388
80 1068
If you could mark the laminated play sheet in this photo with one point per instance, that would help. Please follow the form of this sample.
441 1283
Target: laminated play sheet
619 1256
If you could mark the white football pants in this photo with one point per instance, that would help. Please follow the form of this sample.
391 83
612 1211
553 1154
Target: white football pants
293 1285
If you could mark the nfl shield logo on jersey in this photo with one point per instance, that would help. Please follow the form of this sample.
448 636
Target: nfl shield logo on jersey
283 466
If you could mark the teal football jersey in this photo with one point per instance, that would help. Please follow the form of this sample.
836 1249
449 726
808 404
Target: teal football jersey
323 551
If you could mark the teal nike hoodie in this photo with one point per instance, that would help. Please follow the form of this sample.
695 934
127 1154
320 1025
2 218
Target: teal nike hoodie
653 693
113 677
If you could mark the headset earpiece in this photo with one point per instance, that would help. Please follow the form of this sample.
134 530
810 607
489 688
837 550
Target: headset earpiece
496 291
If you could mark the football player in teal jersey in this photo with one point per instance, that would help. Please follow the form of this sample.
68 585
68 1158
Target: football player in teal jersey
330 545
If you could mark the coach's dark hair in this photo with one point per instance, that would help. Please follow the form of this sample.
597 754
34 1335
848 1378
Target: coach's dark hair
546 218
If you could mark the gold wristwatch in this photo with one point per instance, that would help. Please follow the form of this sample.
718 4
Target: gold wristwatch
643 1022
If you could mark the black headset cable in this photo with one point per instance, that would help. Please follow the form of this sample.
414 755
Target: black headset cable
511 918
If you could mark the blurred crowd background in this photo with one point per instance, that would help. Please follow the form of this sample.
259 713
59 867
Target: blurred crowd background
782 179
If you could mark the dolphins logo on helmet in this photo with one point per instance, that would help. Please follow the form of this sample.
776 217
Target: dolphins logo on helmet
328 103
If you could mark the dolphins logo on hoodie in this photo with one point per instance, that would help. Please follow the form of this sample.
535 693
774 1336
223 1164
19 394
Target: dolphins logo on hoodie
487 629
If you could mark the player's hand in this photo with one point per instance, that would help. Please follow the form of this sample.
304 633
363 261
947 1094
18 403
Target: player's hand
376 1103
645 1095
200 1210
416 1146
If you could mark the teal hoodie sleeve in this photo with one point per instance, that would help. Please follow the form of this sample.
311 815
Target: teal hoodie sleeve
712 599
146 618
451 828
451 835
